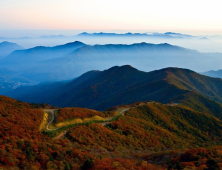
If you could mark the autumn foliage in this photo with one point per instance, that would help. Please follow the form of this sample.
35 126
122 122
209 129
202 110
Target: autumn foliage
150 136
75 112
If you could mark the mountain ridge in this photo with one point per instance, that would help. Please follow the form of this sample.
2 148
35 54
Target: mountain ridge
124 85
7 47
40 53
213 73
129 34
59 63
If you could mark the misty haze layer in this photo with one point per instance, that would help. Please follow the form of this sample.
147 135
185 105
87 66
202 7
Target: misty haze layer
200 43
68 61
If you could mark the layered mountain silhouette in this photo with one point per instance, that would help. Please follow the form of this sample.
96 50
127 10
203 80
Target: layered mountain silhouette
124 85
23 66
144 56
131 35
40 53
7 47
213 73
65 62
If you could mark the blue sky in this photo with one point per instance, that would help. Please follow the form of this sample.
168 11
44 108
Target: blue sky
190 16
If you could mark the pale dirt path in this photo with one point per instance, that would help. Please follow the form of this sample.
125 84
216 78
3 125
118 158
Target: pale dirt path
61 135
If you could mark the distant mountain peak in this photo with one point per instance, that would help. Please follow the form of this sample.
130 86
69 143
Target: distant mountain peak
8 43
173 69
8 47
75 42
67 44
127 66
147 34
123 68
37 47
166 44
177 34
41 53
83 33
173 33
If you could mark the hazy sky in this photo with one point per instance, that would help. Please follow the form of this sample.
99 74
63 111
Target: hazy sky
187 16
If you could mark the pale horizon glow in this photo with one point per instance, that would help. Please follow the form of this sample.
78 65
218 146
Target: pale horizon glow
194 17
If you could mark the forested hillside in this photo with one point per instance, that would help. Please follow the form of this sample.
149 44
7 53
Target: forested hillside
124 85
147 135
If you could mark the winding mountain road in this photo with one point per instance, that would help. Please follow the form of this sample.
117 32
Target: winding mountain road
52 118
108 122
120 113
61 135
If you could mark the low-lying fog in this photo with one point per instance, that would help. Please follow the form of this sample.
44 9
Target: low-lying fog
201 44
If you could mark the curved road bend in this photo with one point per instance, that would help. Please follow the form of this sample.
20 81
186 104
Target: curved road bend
119 113
103 124
53 116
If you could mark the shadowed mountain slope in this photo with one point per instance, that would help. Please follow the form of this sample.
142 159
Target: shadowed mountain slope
123 85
